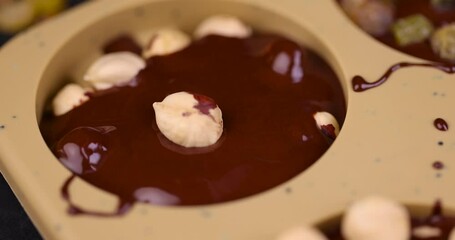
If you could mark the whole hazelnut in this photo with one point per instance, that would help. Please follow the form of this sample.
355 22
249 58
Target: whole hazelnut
376 218
189 120
69 97
328 124
443 42
302 233
166 41
114 69
223 25
373 16
15 15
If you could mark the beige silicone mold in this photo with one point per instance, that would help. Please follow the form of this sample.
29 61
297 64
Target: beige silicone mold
387 145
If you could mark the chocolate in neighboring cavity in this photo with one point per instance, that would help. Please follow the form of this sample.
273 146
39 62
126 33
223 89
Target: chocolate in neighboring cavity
123 43
263 146
436 219
404 8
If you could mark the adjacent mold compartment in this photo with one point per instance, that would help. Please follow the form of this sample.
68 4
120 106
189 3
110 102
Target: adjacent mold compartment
331 225
404 9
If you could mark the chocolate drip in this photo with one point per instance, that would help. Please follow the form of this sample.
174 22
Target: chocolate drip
441 124
73 209
359 84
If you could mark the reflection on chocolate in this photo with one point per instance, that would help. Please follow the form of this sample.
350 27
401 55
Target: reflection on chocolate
265 114
436 220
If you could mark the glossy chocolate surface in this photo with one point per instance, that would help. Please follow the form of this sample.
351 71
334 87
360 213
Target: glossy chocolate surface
436 219
268 89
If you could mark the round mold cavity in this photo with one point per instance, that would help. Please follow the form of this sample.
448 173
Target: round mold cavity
70 62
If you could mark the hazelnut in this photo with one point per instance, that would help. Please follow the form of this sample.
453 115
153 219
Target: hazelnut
223 25
425 232
69 97
166 41
327 123
443 42
373 16
15 15
114 69
302 233
376 218
189 120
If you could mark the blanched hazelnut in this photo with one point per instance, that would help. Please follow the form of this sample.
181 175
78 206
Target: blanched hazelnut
373 16
443 42
69 97
166 41
302 233
189 120
223 25
425 232
114 69
15 15
327 123
376 218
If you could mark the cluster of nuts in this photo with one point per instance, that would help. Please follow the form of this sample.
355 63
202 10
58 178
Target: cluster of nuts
377 17
177 117
371 218
119 68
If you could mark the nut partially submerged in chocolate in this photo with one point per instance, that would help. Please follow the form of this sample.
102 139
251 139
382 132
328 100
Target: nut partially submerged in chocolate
114 69
302 233
188 121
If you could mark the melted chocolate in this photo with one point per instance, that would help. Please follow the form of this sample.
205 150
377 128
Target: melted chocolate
439 18
441 124
359 84
438 165
268 89
123 43
436 219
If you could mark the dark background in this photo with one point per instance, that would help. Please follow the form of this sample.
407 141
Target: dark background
14 223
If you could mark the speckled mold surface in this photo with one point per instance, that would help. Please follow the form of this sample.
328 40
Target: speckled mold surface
388 144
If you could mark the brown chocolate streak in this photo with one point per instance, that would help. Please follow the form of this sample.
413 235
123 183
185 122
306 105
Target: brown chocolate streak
359 84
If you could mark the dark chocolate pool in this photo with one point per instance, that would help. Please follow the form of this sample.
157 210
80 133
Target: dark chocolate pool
268 89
